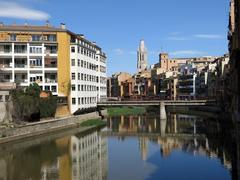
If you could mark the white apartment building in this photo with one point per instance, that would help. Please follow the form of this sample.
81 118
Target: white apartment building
28 62
88 74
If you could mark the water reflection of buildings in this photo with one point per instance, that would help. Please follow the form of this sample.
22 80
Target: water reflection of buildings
86 158
89 157
184 132
70 158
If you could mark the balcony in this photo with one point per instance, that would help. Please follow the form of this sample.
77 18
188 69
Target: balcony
20 63
36 63
5 49
50 63
50 49
51 78
5 77
5 63
20 49
35 49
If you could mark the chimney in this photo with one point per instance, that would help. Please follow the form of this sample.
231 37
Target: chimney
48 24
81 35
63 26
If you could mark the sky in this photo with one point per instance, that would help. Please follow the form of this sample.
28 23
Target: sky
183 28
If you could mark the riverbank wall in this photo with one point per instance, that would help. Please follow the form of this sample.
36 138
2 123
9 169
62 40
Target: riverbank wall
17 132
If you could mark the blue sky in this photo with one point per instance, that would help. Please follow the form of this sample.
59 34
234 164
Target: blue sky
183 28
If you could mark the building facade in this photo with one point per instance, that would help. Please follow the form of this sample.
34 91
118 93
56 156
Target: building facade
58 60
233 79
115 86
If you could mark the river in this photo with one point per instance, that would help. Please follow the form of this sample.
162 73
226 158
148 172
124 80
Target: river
183 147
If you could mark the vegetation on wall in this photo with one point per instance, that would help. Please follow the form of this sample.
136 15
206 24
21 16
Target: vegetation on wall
48 106
28 106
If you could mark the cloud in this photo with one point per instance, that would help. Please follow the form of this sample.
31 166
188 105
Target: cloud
208 36
186 52
176 38
119 51
15 10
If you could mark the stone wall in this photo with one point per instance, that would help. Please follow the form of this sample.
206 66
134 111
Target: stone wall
32 129
5 107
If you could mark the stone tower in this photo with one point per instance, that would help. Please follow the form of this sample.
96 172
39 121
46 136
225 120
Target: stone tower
142 61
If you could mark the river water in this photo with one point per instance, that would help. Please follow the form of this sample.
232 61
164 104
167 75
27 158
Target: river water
183 147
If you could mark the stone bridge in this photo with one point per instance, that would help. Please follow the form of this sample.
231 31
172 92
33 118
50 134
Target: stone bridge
161 103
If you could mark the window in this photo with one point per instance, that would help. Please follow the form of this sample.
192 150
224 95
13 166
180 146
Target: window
54 89
47 88
81 63
36 37
73 62
73 49
73 76
73 87
79 88
82 101
7 98
78 62
52 37
78 76
73 101
79 101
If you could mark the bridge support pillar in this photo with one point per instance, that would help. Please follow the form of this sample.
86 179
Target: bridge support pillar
163 125
163 114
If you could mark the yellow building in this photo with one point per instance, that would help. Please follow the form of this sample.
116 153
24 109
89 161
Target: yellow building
67 64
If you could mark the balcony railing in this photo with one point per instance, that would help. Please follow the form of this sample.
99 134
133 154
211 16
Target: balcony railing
21 80
20 65
48 51
50 65
47 80
5 65
35 66
5 80
5 49
20 51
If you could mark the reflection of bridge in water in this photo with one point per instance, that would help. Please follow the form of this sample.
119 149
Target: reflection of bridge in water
143 134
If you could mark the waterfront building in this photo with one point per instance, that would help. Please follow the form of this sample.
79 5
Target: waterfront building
232 80
58 60
167 64
186 82
128 87
142 57
115 87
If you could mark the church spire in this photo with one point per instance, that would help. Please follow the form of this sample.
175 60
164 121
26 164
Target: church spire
142 57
